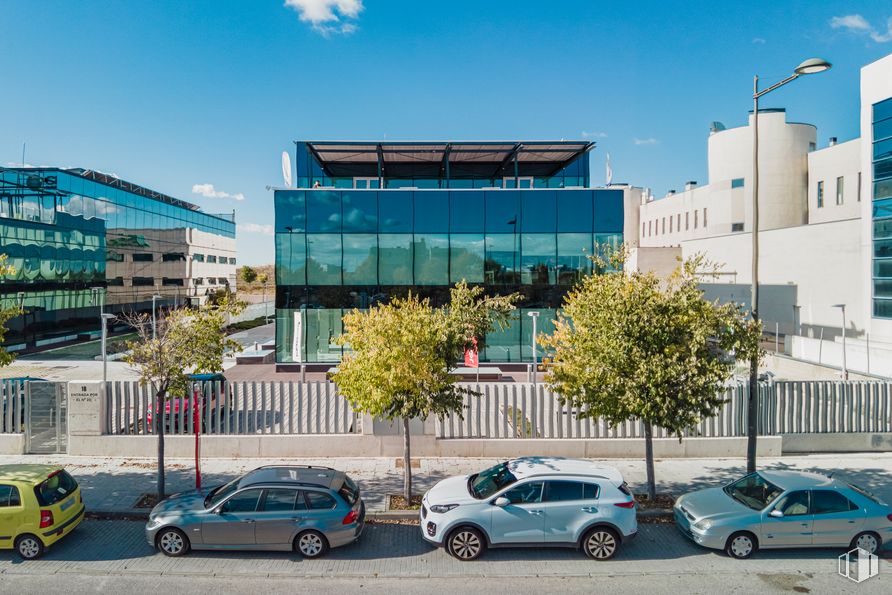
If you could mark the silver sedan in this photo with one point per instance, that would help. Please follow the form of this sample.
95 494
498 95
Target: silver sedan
782 509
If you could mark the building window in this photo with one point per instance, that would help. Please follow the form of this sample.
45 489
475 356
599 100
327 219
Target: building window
664 225
222 281
212 281
736 227
812 147
737 183
687 221
650 228
198 281
882 208
643 229
678 222
839 189
172 282
222 260
198 257
212 259
173 256
143 281
232 260
696 214
670 223
114 257
115 282
820 194
704 216
142 257
859 187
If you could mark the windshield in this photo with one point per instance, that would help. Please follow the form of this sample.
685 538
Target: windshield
753 491
219 493
486 483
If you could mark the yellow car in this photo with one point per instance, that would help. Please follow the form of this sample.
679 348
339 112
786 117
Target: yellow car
39 505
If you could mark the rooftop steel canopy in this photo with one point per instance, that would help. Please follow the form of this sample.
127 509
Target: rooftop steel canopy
413 159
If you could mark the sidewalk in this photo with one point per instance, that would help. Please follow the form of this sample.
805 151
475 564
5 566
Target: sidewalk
113 485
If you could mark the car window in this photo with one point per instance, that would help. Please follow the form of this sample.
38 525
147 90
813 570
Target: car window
866 494
591 491
793 504
349 491
245 501
527 493
753 491
9 496
56 487
320 501
562 491
829 501
280 499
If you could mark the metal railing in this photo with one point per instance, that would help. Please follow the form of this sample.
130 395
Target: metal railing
12 406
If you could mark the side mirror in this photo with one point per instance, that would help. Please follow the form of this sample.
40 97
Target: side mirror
501 501
776 514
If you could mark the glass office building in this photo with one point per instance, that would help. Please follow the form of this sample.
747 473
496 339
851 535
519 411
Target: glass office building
81 240
369 221
882 208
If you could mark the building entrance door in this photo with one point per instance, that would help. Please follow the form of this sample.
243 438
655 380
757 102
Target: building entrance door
46 423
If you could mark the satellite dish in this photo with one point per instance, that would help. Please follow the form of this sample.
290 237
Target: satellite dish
286 168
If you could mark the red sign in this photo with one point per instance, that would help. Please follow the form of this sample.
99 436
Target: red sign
472 358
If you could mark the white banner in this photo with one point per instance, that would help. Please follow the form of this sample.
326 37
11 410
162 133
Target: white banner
296 338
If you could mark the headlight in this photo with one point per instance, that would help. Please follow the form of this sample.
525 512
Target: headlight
441 508
702 525
152 523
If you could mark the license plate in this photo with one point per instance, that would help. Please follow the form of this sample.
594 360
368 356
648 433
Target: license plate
67 504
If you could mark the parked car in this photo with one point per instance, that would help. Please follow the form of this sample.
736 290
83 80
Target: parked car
8 386
41 504
780 509
209 407
281 508
541 501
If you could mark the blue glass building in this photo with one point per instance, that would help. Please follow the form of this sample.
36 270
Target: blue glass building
881 157
369 221
81 240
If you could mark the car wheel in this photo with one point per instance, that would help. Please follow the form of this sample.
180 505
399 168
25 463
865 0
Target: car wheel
311 544
600 543
29 547
172 542
466 544
741 545
867 541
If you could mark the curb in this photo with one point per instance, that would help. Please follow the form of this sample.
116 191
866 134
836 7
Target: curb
392 516
117 515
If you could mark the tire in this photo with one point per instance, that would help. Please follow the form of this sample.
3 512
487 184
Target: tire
29 547
172 542
868 541
311 544
466 544
741 545
600 543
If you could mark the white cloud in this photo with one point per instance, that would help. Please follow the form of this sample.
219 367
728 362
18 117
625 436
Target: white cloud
587 134
759 40
208 191
855 23
646 141
266 230
328 16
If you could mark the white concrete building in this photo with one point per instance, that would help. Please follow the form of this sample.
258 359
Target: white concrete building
817 212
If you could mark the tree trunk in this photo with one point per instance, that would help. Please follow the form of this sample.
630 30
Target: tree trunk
407 463
159 420
649 460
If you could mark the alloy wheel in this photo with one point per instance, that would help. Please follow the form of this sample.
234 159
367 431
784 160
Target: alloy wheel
172 543
466 545
601 545
310 545
741 546
867 542
29 548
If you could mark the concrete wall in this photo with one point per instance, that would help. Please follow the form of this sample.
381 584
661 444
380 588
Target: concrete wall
805 443
827 165
861 356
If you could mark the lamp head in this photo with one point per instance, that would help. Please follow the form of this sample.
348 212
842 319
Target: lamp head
812 66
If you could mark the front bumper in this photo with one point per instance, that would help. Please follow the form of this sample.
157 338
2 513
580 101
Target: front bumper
708 538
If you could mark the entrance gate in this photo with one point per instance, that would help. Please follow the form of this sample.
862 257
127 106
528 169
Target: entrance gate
46 420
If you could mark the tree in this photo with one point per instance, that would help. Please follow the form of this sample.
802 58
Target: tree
249 275
6 314
402 353
186 341
629 345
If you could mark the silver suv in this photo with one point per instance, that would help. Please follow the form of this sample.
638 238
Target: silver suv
302 508
541 501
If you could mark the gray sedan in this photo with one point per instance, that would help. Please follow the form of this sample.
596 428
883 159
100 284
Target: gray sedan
779 509
305 509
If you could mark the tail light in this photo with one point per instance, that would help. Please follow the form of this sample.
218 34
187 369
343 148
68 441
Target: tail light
46 519
350 518
889 516
629 504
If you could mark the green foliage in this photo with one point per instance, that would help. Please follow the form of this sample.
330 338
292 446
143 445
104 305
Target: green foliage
262 278
6 314
249 275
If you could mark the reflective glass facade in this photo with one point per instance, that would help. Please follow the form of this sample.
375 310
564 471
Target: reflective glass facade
337 249
68 234
882 208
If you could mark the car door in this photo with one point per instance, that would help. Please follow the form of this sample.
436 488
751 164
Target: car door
794 527
11 511
280 515
522 520
836 518
233 523
569 506
321 511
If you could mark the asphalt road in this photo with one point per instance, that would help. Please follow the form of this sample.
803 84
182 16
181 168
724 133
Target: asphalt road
112 555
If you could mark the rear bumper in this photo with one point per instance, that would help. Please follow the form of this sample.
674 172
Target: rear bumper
56 533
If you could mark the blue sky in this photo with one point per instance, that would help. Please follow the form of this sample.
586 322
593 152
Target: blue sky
198 99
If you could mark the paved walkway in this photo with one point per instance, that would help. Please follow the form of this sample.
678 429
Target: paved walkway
115 484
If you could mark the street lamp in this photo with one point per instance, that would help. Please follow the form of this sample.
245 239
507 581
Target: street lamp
845 370
105 319
534 315
155 298
810 66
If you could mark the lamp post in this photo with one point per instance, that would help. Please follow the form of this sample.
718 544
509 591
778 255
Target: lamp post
534 315
155 298
845 370
810 66
105 318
